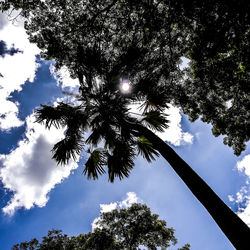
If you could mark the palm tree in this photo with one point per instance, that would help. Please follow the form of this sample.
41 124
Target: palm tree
106 113
141 41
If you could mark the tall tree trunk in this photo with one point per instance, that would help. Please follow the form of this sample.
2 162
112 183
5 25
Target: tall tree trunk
232 226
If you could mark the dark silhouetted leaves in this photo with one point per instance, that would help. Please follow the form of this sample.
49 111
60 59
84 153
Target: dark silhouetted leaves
156 120
146 149
95 163
117 230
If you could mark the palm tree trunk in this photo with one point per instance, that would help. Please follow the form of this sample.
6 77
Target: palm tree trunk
232 226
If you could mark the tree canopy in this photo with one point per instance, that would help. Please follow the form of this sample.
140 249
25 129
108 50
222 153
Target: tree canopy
218 84
106 43
127 229
145 41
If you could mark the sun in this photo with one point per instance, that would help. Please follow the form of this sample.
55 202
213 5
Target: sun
125 86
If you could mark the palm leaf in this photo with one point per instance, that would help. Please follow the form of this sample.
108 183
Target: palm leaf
50 116
145 148
76 122
104 131
77 119
156 120
95 137
60 115
120 162
69 147
95 163
156 99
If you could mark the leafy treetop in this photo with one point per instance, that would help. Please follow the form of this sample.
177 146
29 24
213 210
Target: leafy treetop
126 229
144 41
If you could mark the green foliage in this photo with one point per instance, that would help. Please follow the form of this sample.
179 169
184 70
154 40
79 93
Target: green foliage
54 241
116 230
23 6
103 42
146 149
145 40
155 120
120 161
219 48
65 115
94 164
137 226
68 148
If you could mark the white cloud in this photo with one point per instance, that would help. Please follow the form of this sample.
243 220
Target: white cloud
231 198
29 171
16 70
3 20
8 114
62 76
245 213
244 165
126 203
174 133
243 196
130 200
108 207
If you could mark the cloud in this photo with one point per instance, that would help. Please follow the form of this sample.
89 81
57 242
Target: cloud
15 70
62 77
242 198
174 133
108 207
244 213
244 165
3 20
130 199
8 114
28 171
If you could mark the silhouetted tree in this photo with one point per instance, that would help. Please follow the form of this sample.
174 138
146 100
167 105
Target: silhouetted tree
104 43
214 35
124 229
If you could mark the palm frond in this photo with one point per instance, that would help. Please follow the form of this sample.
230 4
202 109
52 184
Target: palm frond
156 99
104 132
145 148
95 163
68 148
72 117
156 120
50 116
77 119
60 115
110 136
95 137
120 162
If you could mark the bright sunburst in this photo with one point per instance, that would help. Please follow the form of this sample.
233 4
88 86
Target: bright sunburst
125 86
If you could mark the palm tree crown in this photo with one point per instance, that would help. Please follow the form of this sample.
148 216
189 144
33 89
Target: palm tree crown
142 41
106 114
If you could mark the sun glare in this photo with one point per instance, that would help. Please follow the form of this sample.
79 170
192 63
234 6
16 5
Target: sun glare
125 86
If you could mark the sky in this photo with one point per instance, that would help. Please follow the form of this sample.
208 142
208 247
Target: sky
37 195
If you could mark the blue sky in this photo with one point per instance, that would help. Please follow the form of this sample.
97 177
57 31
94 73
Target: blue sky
36 195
